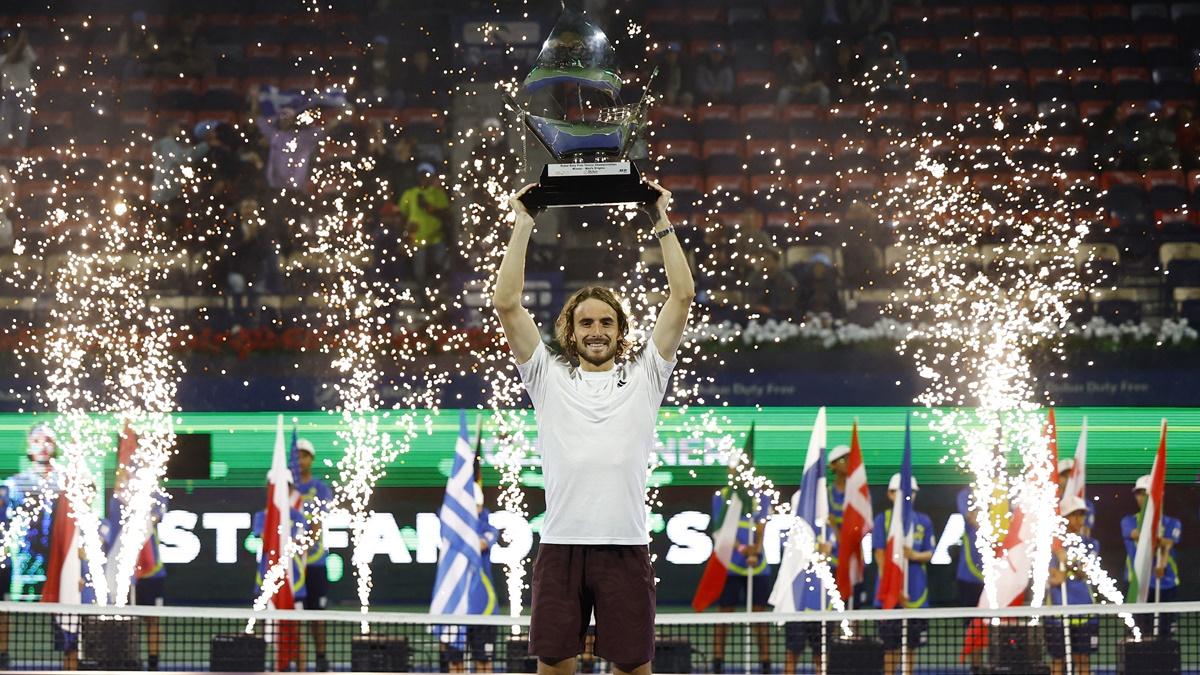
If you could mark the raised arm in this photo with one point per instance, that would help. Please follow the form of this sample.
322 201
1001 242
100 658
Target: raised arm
673 317
519 328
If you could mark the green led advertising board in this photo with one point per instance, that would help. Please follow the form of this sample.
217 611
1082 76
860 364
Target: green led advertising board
1121 443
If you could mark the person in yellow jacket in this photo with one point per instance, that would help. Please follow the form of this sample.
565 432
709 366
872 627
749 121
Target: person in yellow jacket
423 210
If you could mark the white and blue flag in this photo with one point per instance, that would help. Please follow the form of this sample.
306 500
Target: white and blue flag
797 587
271 99
459 587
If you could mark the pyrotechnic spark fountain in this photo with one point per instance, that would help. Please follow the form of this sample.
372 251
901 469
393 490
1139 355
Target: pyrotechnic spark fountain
354 307
988 275
106 359
91 251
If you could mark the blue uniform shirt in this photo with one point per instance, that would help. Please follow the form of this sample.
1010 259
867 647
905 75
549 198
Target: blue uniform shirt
970 567
9 498
29 565
110 530
298 568
1171 529
747 528
316 496
923 540
837 506
1078 591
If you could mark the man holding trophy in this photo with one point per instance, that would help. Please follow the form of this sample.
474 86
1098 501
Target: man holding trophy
597 401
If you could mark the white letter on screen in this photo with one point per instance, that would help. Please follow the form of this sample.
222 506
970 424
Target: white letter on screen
178 543
690 544
226 526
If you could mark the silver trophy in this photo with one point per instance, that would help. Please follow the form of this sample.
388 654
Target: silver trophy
591 164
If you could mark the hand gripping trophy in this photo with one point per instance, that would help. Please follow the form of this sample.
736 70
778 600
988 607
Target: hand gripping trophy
591 164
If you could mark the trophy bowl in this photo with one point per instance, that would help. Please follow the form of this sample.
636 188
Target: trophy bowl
590 158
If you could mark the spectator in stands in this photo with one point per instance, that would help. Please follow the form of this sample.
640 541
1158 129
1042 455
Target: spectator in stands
8 194
252 149
862 237
673 77
380 78
185 51
292 146
168 154
216 160
1103 140
797 79
424 208
396 166
1187 138
916 594
1164 585
136 47
840 67
863 17
1067 575
248 260
16 89
772 290
819 293
883 61
1150 141
422 84
714 77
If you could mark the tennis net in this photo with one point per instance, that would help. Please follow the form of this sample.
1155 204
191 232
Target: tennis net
1091 638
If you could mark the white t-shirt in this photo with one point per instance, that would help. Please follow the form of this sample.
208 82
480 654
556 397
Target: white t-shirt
595 435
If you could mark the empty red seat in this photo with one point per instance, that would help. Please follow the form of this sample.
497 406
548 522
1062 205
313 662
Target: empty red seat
727 183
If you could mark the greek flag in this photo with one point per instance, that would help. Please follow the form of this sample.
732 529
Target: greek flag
271 100
458 588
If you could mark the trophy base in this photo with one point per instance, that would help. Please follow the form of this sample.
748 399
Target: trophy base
589 184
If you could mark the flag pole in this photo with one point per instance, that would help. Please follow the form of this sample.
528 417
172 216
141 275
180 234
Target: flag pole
1066 627
824 669
750 594
1157 599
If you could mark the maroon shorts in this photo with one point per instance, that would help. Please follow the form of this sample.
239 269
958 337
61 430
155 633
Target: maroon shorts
572 580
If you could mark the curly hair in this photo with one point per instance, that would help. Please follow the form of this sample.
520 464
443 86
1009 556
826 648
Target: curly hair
564 326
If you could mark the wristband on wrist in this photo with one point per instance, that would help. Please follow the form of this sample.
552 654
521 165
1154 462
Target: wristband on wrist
659 234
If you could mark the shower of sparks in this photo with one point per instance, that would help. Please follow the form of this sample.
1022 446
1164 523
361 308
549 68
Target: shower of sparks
987 222
800 537
354 307
142 490
89 248
105 351
988 270
1095 574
